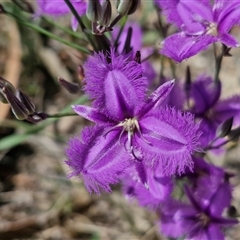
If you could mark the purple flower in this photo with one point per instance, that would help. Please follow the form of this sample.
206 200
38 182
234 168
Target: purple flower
211 111
60 8
197 220
164 138
99 160
201 24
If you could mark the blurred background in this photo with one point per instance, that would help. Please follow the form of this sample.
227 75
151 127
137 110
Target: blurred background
37 200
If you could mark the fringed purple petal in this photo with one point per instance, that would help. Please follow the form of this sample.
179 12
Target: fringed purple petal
169 138
91 114
157 97
116 87
177 96
179 46
99 160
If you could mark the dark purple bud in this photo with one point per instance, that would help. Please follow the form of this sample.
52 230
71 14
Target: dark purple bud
137 57
94 10
224 128
5 84
127 7
127 46
18 108
234 134
72 88
26 101
106 13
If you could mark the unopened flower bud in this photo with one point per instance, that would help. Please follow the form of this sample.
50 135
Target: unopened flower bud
72 88
18 108
234 134
137 57
106 13
127 7
8 86
94 10
224 129
26 101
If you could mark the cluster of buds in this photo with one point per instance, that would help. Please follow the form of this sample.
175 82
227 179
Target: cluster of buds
100 14
22 106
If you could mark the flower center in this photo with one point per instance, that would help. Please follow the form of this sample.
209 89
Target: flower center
212 29
129 125
204 219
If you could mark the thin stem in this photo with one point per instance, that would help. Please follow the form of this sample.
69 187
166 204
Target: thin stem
218 61
163 34
59 115
49 34
13 140
75 13
66 30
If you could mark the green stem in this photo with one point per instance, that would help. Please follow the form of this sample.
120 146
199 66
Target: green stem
75 13
66 30
15 139
45 32
59 115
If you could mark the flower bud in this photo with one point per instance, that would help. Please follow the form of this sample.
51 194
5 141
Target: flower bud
234 134
137 57
94 10
5 84
127 7
224 128
18 108
26 101
106 13
72 88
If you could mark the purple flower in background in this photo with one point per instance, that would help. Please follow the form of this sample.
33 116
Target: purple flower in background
99 160
164 138
201 219
137 45
211 111
201 24
60 8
